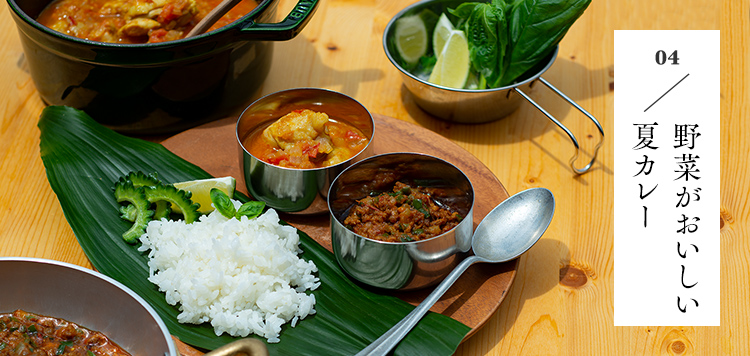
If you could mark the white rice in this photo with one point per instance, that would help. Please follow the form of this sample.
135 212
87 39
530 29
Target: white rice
242 276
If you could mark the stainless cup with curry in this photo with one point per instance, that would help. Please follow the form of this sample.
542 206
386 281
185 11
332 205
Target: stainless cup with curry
295 142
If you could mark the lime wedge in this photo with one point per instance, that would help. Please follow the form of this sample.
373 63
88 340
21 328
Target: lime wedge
410 38
453 63
201 191
441 33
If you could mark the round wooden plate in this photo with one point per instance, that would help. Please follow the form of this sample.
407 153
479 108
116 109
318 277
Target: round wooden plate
474 297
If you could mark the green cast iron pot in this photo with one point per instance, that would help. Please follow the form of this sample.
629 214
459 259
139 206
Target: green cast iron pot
156 87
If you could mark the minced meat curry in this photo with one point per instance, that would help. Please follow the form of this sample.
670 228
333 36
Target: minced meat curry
23 333
406 214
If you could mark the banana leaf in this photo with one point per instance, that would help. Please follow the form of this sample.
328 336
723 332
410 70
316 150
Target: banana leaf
83 159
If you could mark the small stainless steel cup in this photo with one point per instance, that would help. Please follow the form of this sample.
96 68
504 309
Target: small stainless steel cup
468 106
289 190
400 265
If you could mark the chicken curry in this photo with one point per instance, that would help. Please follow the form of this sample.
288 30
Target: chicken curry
134 21
306 139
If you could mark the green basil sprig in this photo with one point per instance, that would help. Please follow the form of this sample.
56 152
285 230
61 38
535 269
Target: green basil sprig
224 205
535 28
506 39
486 29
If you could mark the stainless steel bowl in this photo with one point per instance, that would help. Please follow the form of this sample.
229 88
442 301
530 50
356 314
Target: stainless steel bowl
467 106
297 191
400 265
87 298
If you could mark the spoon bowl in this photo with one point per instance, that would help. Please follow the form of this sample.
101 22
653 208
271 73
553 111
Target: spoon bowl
514 225
509 230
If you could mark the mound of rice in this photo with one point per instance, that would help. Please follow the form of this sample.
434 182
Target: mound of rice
242 276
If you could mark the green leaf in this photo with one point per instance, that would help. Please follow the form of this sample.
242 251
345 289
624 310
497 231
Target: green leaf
485 48
83 159
486 28
222 203
536 27
251 209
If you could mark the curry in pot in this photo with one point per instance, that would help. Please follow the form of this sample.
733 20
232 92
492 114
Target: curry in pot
24 333
134 21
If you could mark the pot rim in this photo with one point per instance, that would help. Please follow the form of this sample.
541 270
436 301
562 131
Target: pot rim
420 4
121 287
239 23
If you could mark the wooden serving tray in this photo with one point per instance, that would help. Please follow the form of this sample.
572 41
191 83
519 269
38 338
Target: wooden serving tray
472 299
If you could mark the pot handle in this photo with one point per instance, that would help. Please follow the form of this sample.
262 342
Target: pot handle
287 29
249 347
560 125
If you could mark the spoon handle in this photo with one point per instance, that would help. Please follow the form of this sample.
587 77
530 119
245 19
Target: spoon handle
393 336
213 16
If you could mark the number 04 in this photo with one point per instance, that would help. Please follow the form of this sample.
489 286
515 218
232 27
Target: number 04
661 57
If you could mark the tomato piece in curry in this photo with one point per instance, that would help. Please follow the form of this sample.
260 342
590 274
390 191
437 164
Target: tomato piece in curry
134 21
403 215
23 333
306 139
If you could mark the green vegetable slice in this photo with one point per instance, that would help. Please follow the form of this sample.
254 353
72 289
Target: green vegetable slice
128 212
126 192
140 179
83 158
162 207
180 198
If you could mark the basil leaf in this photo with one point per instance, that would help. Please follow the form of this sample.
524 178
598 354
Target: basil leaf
222 203
536 27
462 12
485 48
251 209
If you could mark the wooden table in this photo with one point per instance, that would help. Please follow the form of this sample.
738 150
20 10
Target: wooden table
561 302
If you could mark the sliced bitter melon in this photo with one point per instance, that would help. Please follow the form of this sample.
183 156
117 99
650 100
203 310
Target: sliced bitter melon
140 179
179 198
162 208
126 192
128 212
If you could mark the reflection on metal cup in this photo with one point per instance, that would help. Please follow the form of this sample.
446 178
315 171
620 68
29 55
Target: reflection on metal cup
470 106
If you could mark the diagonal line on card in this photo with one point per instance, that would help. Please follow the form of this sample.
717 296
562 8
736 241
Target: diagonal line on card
670 89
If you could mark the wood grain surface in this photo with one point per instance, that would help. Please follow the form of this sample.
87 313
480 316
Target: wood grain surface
561 301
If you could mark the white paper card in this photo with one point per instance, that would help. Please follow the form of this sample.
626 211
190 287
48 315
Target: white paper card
667 167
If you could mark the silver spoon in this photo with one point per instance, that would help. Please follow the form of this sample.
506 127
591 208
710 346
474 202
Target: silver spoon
509 230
